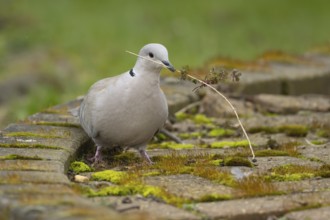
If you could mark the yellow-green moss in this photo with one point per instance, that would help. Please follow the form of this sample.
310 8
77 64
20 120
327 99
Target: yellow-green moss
79 167
223 144
110 176
325 133
318 142
31 134
59 124
237 161
290 130
267 153
191 135
171 145
291 172
19 157
214 197
25 145
217 162
201 119
144 190
324 171
125 158
220 132
180 116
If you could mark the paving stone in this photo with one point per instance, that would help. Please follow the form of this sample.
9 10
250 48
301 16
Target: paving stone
32 165
17 177
188 186
321 152
266 163
35 188
136 204
311 185
322 213
64 119
291 104
44 154
261 208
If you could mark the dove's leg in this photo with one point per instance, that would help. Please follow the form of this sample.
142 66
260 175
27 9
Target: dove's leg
144 154
98 156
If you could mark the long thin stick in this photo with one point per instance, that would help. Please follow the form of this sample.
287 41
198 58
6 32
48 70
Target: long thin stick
215 90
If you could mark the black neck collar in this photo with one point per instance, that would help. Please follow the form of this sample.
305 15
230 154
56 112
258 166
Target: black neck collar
131 72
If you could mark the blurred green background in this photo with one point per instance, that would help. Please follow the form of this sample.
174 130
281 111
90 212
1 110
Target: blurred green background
52 51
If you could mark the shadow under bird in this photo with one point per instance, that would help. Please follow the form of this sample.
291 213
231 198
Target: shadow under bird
129 109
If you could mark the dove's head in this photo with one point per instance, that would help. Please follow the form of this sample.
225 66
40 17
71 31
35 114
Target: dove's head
156 58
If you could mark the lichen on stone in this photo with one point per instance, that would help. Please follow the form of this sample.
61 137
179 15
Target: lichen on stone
80 167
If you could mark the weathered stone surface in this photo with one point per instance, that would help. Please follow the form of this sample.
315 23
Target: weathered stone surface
44 154
32 165
261 208
321 152
309 214
35 188
140 205
188 186
17 177
291 104
311 185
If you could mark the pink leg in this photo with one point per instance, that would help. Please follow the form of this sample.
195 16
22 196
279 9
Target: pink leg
98 156
144 155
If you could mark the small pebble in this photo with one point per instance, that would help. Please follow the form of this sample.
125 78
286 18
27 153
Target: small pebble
81 179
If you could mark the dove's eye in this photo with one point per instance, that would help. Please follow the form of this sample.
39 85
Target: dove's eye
151 55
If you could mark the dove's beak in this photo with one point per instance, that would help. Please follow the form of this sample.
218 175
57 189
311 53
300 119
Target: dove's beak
169 66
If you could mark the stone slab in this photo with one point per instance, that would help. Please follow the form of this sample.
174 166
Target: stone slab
262 208
34 189
310 185
19 177
322 213
32 165
188 186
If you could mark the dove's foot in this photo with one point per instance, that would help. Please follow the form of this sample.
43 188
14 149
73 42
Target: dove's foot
144 155
97 157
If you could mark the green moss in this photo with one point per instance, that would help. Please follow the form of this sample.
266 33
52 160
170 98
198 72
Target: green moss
19 157
201 119
152 173
214 197
25 145
292 172
217 162
144 190
223 144
294 130
171 145
318 142
267 153
79 167
290 130
125 158
59 124
220 132
325 133
192 135
324 171
237 161
30 134
110 176
180 116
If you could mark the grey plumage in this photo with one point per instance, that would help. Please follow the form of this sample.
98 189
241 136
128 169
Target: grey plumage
128 109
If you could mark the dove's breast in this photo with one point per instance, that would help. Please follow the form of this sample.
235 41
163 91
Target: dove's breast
126 114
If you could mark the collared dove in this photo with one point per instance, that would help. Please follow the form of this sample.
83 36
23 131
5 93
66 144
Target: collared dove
127 110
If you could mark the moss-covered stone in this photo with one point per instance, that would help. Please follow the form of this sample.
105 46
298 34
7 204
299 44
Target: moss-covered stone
223 144
325 133
110 176
237 161
217 162
30 145
324 171
180 116
214 197
291 172
268 153
80 167
19 157
220 132
318 142
171 145
293 130
192 135
201 119
58 124
31 134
